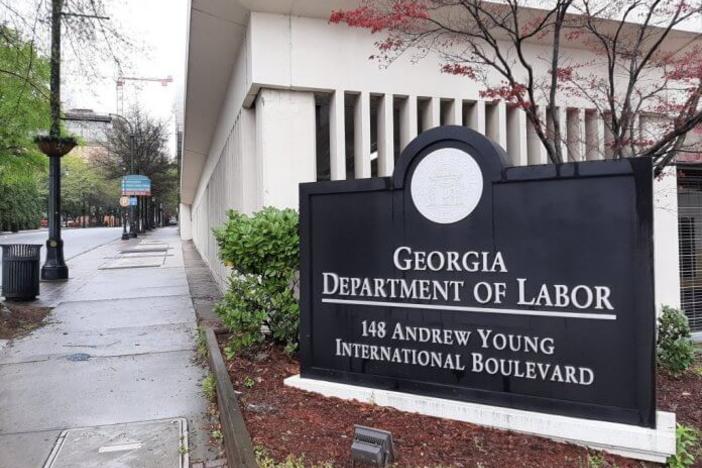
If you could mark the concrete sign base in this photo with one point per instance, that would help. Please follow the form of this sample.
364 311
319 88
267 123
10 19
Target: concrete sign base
637 442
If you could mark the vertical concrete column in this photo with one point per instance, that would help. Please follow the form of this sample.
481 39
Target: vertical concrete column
386 140
361 135
635 135
575 124
476 117
252 199
496 123
285 144
185 222
337 136
562 116
602 137
408 121
581 134
455 113
431 117
594 136
517 136
666 258
536 148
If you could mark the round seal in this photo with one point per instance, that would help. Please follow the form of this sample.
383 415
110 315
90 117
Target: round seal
446 185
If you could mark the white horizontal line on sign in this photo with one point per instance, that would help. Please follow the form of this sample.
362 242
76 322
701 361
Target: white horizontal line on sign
484 310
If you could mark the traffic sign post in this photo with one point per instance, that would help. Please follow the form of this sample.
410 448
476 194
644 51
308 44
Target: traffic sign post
137 185
124 203
133 186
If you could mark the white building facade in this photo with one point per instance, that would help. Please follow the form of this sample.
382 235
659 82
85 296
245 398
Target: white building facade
276 96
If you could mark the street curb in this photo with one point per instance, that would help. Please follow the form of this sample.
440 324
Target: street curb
237 440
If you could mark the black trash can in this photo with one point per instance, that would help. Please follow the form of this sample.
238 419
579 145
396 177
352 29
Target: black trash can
20 271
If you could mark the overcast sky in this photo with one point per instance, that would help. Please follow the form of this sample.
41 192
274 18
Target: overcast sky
158 30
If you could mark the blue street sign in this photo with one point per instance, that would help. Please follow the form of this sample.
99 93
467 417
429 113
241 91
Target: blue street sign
132 201
136 185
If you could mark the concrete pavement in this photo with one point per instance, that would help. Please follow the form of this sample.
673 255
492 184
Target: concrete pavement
119 347
76 241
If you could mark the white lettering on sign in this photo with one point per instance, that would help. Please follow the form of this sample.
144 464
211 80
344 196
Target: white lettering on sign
483 340
400 292
404 258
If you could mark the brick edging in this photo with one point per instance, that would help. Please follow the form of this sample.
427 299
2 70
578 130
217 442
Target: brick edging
237 440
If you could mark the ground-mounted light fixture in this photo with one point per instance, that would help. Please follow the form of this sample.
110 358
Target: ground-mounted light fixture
371 447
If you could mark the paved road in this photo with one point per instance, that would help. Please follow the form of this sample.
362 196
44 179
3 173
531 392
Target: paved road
75 241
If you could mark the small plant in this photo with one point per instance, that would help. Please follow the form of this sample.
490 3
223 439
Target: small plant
217 434
249 382
229 352
686 439
675 349
201 342
260 302
209 387
595 460
264 460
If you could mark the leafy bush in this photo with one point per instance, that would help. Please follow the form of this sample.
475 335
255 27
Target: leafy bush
263 249
685 442
675 349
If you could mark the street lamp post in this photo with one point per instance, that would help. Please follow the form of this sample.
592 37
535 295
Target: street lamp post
132 208
55 146
132 215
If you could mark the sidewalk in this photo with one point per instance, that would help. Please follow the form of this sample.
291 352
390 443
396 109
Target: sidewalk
119 347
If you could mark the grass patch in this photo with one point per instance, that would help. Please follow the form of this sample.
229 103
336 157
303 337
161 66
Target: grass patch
209 387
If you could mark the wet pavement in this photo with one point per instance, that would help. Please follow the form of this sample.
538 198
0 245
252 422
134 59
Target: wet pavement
76 241
119 347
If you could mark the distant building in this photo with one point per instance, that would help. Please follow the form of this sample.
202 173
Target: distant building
276 95
90 128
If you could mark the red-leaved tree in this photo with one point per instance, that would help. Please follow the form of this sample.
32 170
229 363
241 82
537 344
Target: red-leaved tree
628 61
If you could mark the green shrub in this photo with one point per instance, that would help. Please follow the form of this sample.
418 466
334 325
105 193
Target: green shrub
675 349
685 445
263 250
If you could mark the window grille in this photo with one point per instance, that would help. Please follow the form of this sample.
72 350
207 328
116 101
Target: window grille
690 243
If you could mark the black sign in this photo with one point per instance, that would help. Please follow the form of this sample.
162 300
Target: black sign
461 278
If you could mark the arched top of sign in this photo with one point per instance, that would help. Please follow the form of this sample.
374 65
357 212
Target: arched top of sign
488 155
446 185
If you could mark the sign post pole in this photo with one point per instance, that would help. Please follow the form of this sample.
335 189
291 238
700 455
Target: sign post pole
124 203
136 186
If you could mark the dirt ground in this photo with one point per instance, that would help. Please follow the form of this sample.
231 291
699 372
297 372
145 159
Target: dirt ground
19 318
288 421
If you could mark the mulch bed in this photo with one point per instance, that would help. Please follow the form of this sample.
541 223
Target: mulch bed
19 318
683 396
287 421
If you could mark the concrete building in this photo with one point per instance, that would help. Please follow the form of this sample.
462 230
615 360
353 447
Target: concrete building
90 127
276 95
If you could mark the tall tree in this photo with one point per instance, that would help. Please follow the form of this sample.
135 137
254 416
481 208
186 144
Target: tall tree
24 106
138 145
631 62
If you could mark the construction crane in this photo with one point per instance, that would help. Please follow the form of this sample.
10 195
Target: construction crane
119 89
